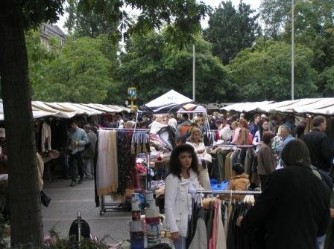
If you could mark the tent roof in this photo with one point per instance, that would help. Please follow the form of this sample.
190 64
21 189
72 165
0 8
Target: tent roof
192 108
168 102
68 110
246 106
324 106
108 108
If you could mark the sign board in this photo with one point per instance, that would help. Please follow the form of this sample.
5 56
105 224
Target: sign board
132 92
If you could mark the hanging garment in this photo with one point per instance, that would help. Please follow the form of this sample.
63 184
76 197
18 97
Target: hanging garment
107 167
213 240
199 240
126 161
209 220
140 142
221 239
46 137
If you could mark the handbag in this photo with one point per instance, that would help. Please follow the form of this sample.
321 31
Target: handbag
45 199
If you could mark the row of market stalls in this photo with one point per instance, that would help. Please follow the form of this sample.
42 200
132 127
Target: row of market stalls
316 106
174 102
68 110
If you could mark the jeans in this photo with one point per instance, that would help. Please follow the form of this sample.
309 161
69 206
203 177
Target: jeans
89 166
76 166
180 244
320 243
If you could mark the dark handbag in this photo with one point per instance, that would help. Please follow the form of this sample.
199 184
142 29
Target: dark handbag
45 199
204 163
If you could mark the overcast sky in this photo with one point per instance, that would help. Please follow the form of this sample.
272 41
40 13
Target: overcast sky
254 3
214 3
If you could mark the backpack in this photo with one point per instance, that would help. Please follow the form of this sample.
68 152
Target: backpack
85 229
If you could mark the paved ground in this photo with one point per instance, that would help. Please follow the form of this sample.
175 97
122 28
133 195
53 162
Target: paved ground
67 201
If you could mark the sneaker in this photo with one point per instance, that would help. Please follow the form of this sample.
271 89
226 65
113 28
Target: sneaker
73 183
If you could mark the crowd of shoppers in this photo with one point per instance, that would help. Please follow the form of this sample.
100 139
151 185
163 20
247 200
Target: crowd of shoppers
293 210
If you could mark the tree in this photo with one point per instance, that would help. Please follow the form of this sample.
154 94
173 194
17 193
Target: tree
150 60
39 60
81 73
275 14
15 16
83 21
314 26
231 30
264 72
180 17
326 82
26 218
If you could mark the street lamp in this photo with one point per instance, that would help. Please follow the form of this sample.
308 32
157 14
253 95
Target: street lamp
292 49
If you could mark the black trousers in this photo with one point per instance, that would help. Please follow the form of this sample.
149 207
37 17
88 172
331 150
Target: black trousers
76 166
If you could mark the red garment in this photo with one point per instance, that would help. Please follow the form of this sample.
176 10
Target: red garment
141 169
213 240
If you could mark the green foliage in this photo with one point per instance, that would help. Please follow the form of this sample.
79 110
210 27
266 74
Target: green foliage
81 73
37 12
231 30
275 14
108 16
314 26
87 18
326 82
155 66
39 59
55 242
264 72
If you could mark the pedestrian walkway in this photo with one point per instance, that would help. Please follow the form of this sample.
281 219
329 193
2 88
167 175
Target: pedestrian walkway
67 201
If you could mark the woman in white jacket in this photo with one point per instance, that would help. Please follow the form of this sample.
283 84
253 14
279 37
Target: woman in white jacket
180 192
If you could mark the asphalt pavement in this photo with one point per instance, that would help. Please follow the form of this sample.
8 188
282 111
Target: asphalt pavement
112 226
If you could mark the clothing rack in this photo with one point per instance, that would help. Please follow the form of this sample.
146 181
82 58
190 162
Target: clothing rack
234 145
124 129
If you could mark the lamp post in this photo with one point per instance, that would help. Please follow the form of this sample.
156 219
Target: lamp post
292 49
194 94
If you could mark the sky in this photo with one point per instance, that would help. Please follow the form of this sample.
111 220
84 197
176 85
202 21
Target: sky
213 3
253 3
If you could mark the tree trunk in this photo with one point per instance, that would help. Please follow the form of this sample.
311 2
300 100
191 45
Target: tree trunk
25 208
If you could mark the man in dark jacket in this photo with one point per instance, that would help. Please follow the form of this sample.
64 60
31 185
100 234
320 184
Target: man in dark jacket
319 144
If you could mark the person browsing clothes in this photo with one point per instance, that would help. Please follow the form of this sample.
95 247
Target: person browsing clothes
181 186
204 158
77 139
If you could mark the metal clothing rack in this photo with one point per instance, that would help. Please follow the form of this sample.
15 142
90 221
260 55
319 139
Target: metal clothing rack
227 192
238 192
232 145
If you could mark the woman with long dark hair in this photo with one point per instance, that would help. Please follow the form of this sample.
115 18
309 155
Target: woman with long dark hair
180 192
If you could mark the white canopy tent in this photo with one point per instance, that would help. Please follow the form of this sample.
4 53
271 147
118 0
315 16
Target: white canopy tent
168 102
